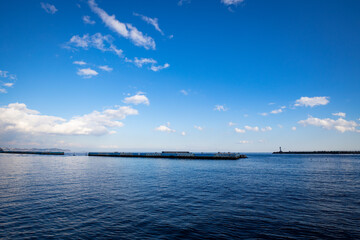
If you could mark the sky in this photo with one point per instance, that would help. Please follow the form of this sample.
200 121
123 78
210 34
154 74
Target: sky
215 75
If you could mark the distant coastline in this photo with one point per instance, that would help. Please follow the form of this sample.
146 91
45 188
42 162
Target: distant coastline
318 152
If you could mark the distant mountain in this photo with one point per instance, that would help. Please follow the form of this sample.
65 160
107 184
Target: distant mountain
36 149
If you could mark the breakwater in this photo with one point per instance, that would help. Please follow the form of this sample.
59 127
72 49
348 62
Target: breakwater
318 152
170 154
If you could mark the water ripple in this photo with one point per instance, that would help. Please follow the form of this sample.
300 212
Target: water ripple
264 196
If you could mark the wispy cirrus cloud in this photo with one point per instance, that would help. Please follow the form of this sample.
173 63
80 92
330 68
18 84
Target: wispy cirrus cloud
152 21
182 2
87 72
6 80
184 92
266 129
311 101
140 62
49 8
253 129
238 130
125 30
232 124
137 99
198 128
18 118
105 68
79 62
231 2
8 84
7 75
159 67
220 108
340 114
277 111
101 42
340 124
104 43
88 20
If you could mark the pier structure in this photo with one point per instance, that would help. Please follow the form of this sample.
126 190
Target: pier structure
172 154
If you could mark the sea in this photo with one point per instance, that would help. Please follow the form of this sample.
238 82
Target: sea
264 196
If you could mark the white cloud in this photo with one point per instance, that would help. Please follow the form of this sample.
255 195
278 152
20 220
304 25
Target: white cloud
198 128
340 124
142 61
276 111
254 129
16 117
126 30
263 114
165 128
8 84
48 8
280 126
87 20
246 115
293 128
266 129
220 108
312 101
184 92
244 142
340 114
183 133
157 68
80 41
9 78
98 41
139 98
232 124
79 62
3 74
87 72
106 68
152 21
181 2
238 130
231 2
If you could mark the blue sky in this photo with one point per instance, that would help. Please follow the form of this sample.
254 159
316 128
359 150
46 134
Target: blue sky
219 75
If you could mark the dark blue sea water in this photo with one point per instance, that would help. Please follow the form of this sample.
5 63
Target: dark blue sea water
264 196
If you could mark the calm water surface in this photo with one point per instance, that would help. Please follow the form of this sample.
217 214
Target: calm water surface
264 196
